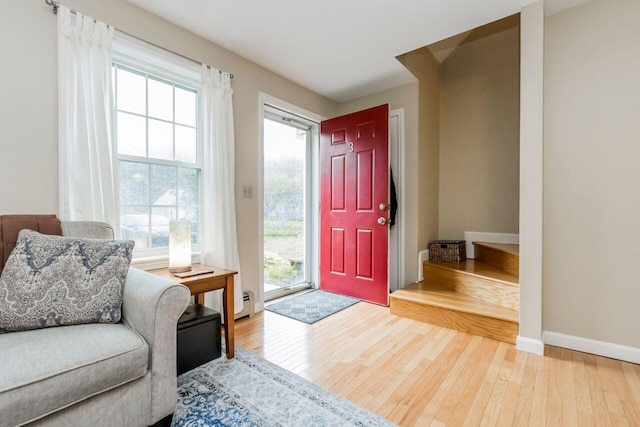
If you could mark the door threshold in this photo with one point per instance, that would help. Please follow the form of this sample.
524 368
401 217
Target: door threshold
279 293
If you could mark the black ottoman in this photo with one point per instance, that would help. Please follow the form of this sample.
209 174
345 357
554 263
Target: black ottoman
198 337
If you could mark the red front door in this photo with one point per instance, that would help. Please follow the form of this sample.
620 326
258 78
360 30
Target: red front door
354 199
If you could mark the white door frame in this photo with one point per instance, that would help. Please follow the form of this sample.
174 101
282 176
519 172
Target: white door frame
396 234
313 258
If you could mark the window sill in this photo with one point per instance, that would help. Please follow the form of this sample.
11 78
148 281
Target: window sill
160 261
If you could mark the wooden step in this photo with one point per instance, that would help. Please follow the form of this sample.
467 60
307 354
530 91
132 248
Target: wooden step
501 256
475 279
442 306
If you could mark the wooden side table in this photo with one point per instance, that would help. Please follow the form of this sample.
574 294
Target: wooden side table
198 285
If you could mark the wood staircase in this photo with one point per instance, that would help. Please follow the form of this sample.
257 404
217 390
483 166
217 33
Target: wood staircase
480 296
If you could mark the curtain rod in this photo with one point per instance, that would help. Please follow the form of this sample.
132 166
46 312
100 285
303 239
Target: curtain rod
55 5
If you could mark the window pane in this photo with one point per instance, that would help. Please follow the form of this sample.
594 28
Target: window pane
163 185
132 92
188 183
160 100
132 135
160 218
185 144
134 184
185 107
134 225
191 215
160 140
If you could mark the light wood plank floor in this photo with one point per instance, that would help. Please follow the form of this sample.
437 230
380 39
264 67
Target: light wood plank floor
413 373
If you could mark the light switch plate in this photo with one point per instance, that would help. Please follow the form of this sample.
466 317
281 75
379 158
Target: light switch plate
247 191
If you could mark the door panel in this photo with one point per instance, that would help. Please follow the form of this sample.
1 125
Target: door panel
354 183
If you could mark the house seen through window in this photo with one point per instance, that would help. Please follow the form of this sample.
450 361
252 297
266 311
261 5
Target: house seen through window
158 157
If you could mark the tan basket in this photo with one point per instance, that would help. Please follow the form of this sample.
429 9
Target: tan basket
447 250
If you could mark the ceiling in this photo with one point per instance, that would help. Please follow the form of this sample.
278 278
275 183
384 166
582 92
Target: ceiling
342 49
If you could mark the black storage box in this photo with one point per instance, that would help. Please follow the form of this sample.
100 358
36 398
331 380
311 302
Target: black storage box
198 337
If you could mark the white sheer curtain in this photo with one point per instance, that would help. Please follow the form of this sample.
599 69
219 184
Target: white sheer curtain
220 242
85 114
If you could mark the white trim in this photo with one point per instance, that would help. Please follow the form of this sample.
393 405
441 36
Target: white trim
397 165
156 262
139 54
479 236
586 345
530 345
423 255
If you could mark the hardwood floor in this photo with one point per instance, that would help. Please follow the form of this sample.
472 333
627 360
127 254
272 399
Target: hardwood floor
413 373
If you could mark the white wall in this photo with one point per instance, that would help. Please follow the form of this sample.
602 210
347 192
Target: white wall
591 172
480 136
28 106
28 109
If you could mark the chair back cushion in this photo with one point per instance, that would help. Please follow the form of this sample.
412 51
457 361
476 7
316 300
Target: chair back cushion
10 225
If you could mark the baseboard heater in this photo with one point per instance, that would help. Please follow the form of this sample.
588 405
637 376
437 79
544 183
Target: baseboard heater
248 305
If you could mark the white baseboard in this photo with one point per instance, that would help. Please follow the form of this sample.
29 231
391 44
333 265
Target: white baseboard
423 256
586 345
480 236
530 345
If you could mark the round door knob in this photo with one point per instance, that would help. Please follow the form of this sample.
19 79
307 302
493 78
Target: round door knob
382 206
382 220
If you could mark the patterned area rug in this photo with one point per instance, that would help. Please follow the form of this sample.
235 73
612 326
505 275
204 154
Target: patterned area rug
312 306
250 391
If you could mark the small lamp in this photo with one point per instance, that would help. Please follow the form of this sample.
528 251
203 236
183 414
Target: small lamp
179 246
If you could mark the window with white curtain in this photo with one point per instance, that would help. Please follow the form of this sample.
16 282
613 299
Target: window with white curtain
159 152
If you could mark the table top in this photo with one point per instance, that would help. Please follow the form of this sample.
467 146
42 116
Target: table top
217 272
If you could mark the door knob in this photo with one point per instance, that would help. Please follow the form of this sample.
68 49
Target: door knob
382 206
382 220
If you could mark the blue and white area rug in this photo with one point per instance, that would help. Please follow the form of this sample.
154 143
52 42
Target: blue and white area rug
312 306
250 391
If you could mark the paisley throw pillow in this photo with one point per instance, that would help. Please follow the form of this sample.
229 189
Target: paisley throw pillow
56 281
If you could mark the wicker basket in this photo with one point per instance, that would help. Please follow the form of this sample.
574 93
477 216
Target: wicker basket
447 250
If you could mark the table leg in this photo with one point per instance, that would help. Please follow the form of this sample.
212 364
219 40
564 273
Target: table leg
229 319
199 299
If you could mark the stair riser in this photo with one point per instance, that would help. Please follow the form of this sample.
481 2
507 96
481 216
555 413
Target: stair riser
496 329
484 289
498 259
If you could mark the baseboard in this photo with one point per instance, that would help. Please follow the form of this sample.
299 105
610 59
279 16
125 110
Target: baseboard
530 345
480 236
586 345
423 256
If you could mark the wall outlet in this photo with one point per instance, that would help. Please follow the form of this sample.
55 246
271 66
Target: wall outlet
247 191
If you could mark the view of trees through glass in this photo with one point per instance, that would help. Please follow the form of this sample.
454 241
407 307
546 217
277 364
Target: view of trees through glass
285 150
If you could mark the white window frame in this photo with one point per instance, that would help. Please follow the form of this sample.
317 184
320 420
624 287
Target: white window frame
133 53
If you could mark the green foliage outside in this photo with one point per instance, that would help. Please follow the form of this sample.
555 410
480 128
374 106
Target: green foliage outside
278 271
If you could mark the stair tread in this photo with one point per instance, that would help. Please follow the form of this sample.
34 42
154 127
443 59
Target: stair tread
502 247
477 268
442 296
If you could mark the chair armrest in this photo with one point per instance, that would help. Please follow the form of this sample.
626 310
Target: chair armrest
87 229
152 306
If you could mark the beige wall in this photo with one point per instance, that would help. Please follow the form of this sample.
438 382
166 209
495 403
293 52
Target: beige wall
28 106
405 97
591 172
480 137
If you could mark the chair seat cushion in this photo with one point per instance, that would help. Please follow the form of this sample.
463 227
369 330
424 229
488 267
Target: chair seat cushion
44 370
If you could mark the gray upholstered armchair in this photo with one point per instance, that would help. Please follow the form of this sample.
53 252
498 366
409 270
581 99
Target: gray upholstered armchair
121 374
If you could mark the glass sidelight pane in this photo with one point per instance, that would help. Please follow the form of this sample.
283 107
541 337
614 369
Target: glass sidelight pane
285 153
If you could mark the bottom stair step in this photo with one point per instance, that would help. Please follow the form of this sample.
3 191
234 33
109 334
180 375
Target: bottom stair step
443 306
